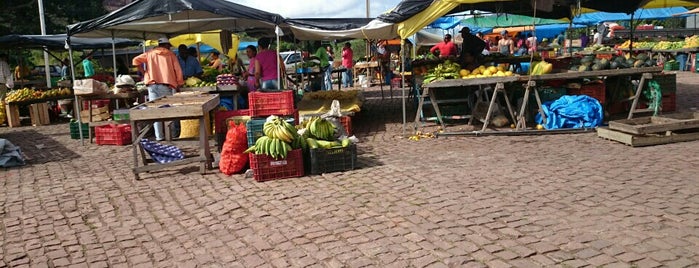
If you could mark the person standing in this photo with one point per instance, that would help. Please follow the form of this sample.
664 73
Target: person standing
584 40
471 47
325 66
531 43
88 67
597 37
249 75
267 70
347 62
216 61
6 80
162 75
446 48
189 63
505 45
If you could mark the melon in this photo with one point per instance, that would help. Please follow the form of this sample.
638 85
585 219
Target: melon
614 65
583 68
596 67
638 63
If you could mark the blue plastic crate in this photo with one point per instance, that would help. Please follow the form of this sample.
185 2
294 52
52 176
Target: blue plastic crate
254 128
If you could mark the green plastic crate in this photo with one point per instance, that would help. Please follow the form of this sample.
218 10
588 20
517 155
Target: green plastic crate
75 130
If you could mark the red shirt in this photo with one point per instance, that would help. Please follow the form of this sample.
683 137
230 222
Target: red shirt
445 49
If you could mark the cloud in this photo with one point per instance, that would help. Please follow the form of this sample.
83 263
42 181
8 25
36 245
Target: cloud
321 8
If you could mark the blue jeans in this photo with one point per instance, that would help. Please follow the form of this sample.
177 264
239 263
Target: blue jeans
270 84
327 79
156 91
347 79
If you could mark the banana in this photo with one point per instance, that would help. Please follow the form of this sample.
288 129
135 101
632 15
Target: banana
272 147
287 149
312 143
251 149
267 128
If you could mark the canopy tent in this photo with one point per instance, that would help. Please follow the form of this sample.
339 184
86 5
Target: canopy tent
412 15
506 20
641 13
425 38
58 41
324 30
146 19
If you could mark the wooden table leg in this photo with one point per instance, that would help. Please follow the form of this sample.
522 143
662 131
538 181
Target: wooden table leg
521 120
136 145
204 151
436 107
498 88
419 107
641 84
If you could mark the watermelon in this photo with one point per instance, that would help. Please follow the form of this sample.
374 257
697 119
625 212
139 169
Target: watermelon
614 65
596 67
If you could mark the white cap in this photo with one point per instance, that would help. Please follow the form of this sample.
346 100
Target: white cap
163 40
124 80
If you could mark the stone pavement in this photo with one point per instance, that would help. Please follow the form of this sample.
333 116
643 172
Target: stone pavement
527 201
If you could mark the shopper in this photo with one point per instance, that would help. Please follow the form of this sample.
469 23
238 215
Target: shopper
249 75
162 74
348 63
531 43
325 66
6 80
267 67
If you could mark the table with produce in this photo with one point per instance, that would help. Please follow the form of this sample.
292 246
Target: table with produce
27 96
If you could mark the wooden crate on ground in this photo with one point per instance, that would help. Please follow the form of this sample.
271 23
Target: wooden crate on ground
39 114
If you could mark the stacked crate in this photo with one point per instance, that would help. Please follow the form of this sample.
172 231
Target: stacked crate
261 105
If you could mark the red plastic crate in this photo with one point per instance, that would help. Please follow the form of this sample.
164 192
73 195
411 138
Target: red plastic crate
266 168
596 90
271 103
95 104
113 134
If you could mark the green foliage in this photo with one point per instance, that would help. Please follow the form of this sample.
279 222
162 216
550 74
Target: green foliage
22 16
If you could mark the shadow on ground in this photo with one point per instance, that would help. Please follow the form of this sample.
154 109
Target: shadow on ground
39 148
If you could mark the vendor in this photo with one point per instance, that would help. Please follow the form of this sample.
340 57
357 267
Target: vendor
446 48
189 63
249 75
471 49
506 46
216 61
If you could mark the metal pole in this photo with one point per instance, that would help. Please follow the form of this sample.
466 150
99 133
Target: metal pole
114 55
367 9
76 104
46 54
277 31
402 80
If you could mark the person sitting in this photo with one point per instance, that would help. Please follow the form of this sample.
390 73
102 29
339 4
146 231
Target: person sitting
216 61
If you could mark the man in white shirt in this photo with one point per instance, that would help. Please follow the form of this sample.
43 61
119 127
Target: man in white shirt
6 80
597 37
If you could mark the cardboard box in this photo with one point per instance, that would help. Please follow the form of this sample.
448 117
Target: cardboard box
95 111
90 87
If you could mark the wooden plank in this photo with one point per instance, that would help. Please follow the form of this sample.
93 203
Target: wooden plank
655 124
186 106
646 140
470 82
39 114
12 111
158 166
576 75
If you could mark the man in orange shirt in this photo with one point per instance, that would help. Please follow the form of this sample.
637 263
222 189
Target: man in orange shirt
162 74
446 48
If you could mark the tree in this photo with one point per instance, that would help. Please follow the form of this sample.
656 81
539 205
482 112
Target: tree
22 16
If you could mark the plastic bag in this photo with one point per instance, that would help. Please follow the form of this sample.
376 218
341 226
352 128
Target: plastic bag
233 160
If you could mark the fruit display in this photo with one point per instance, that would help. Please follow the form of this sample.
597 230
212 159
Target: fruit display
667 45
590 63
26 94
598 48
638 45
691 42
541 67
445 70
485 71
196 82
3 115
226 79
321 133
279 139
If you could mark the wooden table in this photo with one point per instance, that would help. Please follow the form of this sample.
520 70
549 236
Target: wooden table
12 110
189 106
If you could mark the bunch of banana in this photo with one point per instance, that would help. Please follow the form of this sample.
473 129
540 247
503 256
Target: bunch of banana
315 144
321 129
273 147
21 95
277 128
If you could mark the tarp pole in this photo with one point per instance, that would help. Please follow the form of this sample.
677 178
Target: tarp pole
76 104
114 65
47 71
402 79
279 74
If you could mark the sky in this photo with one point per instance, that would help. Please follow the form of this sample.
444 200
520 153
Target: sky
321 8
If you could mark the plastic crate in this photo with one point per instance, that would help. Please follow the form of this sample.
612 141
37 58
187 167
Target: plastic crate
334 159
121 114
254 128
271 103
113 134
75 130
266 168
95 104
596 90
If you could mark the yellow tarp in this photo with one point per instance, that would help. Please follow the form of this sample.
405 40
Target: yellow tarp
670 3
212 39
315 103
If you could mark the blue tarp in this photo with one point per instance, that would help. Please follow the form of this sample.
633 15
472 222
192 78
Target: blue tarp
244 45
580 111
551 30
641 13
445 23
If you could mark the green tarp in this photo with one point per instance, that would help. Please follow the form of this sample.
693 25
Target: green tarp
495 21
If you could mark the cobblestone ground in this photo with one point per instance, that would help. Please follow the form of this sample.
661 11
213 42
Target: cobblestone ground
526 201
